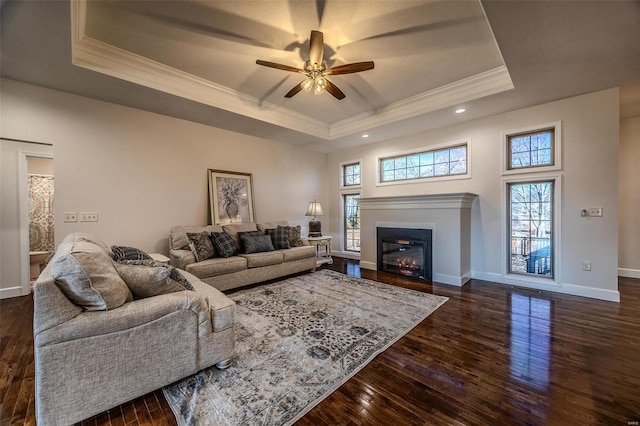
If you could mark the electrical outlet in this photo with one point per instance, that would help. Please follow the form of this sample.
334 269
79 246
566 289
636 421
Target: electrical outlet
586 265
70 217
595 211
89 217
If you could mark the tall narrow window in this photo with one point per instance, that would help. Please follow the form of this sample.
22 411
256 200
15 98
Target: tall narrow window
351 222
531 228
351 174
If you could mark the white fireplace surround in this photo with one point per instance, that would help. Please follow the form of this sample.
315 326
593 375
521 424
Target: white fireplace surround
447 215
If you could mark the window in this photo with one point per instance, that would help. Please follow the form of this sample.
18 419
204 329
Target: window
351 174
351 222
427 164
531 149
530 247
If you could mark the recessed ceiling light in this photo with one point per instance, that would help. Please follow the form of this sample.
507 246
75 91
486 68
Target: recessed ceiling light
365 135
460 110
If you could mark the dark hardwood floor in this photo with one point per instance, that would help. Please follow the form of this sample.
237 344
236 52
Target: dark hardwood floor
491 355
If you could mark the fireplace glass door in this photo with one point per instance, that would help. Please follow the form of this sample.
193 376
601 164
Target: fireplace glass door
405 252
403 257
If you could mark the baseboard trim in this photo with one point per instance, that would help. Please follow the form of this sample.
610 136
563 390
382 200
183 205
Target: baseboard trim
628 273
6 293
564 288
451 279
345 254
368 265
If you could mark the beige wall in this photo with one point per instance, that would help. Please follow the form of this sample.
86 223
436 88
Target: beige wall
144 173
590 125
629 232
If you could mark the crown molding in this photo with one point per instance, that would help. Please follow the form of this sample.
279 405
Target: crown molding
104 58
477 86
98 56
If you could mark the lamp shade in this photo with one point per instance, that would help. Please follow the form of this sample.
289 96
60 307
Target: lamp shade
314 209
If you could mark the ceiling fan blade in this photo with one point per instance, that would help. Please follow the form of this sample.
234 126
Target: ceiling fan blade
278 66
316 47
351 68
291 93
333 89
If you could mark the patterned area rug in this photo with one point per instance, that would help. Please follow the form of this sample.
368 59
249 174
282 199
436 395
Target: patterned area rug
297 341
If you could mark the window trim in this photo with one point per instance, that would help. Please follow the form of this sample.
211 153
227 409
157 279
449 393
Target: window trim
556 153
420 150
344 164
525 279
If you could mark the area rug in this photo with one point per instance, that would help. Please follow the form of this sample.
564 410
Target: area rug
297 341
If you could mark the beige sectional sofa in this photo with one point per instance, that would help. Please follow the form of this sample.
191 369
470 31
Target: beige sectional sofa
225 273
107 332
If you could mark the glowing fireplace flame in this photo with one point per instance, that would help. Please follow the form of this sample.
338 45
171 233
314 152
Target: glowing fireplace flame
407 266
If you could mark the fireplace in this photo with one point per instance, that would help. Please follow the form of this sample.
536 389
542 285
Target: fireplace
405 251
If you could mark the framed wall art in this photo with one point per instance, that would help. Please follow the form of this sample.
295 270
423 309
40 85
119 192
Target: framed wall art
230 197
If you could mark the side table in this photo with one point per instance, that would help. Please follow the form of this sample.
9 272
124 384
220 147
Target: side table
323 249
159 258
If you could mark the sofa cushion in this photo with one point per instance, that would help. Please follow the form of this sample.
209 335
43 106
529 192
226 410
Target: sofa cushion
85 273
128 253
271 225
279 237
256 260
217 266
150 278
201 245
178 237
256 243
301 252
233 229
225 247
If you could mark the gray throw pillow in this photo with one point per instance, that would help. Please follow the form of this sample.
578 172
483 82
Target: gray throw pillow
279 237
241 235
257 243
85 273
201 245
148 278
224 244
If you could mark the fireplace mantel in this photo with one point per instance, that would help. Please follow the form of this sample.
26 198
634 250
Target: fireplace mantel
448 215
460 200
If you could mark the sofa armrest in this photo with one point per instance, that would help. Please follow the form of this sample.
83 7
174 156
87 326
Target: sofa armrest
179 258
128 316
222 308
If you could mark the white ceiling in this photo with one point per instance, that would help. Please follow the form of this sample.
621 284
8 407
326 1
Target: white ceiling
196 60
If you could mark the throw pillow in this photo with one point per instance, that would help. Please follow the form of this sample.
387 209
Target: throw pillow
294 236
148 278
201 245
232 230
128 253
256 243
279 237
241 248
85 273
224 245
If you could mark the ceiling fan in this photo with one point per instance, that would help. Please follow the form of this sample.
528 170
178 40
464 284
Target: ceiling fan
316 71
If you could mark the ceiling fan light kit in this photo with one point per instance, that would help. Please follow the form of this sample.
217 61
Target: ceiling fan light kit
315 70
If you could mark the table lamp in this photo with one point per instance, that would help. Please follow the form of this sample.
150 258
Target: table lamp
315 227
